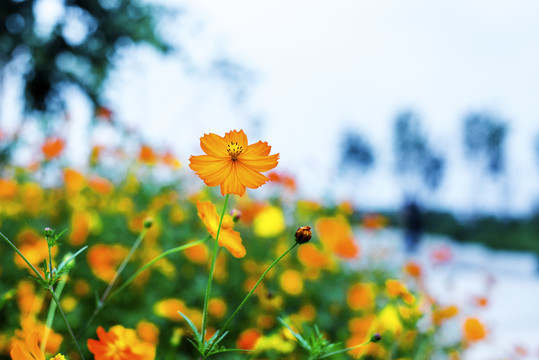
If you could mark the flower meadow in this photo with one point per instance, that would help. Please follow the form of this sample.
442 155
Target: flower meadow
129 260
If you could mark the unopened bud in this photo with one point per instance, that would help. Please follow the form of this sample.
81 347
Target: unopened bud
303 234
48 232
236 215
376 337
148 222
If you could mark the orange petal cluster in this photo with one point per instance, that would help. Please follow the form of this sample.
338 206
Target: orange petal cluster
52 148
228 238
232 163
473 330
395 288
336 235
120 344
27 349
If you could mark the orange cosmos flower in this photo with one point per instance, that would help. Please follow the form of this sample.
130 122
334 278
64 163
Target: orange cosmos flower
395 288
248 339
228 238
337 236
442 314
27 349
120 344
473 330
232 163
147 155
52 148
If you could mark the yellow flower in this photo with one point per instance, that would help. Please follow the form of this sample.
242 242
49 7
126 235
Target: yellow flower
269 222
228 238
232 163
291 282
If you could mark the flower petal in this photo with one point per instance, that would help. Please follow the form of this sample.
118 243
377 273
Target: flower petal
211 170
231 240
248 177
236 136
213 145
260 164
209 216
232 184
257 149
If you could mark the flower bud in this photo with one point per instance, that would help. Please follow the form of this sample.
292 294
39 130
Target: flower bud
236 215
48 232
376 337
148 222
303 234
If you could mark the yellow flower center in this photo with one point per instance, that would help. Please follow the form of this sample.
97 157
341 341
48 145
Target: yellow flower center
234 149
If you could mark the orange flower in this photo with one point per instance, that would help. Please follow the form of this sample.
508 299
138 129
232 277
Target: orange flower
52 148
248 339
232 163
33 247
100 185
442 314
228 238
395 288
413 269
474 330
361 297
170 160
120 344
103 260
336 235
8 188
74 181
27 349
147 155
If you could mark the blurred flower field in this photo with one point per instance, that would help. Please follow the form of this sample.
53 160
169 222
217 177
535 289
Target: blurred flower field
146 254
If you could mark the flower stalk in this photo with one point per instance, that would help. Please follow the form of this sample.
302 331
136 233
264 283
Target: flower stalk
212 268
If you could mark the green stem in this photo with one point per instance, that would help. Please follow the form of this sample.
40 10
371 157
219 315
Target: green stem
345 350
22 256
50 315
51 290
123 264
254 287
212 268
50 261
102 304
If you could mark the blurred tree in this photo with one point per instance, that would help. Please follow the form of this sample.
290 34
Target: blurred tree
484 141
416 161
77 49
356 153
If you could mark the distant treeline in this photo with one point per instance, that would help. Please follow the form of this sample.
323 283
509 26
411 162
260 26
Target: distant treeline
517 234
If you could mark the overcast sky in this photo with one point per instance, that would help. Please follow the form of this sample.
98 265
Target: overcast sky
317 68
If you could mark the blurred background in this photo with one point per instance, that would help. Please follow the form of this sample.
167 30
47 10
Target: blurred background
425 113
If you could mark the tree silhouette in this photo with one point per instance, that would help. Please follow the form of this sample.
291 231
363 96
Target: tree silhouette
356 153
78 50
484 141
415 159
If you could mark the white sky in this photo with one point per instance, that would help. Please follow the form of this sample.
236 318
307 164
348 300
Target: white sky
320 67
